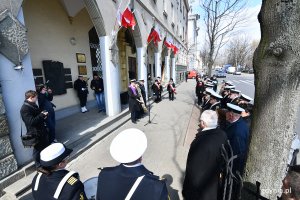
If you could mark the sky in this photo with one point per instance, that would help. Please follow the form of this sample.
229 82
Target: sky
250 28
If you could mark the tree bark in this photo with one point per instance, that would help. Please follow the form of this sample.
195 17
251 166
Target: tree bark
277 95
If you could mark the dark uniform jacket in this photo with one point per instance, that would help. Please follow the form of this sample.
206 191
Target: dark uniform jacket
203 166
34 122
215 106
224 101
134 105
206 105
114 183
45 102
237 133
72 190
143 91
80 87
97 84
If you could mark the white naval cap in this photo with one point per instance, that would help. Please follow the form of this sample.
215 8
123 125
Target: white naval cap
128 146
235 91
54 154
229 82
208 90
209 85
246 98
234 108
216 95
229 87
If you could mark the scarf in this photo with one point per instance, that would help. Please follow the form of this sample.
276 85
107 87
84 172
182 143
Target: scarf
133 89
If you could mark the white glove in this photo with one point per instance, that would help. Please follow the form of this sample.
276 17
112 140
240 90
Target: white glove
82 89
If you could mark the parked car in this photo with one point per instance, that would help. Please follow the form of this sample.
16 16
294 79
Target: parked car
237 73
192 74
220 74
250 71
231 70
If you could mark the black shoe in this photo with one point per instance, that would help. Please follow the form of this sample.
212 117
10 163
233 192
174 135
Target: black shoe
134 122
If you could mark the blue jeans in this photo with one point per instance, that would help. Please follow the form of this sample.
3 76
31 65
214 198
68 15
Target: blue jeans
100 100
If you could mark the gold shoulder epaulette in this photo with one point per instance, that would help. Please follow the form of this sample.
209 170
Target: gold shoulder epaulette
72 180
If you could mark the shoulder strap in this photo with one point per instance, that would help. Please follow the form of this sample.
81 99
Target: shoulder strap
135 185
62 183
37 181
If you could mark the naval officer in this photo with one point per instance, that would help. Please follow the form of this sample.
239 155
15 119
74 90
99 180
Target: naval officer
53 181
131 179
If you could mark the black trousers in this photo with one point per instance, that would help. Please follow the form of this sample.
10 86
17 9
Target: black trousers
171 96
82 99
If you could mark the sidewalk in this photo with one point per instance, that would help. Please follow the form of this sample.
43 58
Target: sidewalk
166 153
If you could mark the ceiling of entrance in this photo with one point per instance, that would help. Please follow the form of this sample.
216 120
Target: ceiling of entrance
73 7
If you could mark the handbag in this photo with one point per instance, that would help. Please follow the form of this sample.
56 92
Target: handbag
30 139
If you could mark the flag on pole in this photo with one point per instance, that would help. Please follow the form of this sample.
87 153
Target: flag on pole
154 36
175 49
126 19
168 42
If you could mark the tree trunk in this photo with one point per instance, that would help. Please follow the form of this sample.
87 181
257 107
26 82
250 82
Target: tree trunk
277 95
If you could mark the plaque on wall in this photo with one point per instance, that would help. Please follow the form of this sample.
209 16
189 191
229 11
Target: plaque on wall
82 70
80 58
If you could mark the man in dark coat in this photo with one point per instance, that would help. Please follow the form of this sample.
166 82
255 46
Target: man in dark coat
129 180
98 87
134 102
203 165
82 91
237 132
45 184
34 120
199 90
143 90
45 97
156 90
171 89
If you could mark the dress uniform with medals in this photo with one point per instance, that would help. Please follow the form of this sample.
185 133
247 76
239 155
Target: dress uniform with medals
53 181
130 179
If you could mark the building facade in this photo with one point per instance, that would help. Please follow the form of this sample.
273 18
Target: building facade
62 39
193 45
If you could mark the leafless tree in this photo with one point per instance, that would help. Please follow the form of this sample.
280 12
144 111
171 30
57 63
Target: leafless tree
238 51
249 58
221 18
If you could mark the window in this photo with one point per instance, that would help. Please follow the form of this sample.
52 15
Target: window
165 8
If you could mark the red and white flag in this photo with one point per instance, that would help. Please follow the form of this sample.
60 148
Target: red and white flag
154 36
168 42
175 49
126 19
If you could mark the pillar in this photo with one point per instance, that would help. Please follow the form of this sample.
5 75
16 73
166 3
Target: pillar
173 69
167 67
110 78
142 68
157 64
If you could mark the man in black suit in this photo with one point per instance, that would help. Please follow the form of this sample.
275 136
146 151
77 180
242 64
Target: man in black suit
204 159
130 179
134 101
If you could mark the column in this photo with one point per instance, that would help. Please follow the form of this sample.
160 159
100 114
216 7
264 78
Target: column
167 67
173 69
14 85
157 65
111 79
142 68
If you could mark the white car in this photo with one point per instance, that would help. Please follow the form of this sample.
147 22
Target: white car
237 73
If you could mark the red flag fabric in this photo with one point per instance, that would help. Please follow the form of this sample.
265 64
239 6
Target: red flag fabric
168 42
154 36
175 49
127 19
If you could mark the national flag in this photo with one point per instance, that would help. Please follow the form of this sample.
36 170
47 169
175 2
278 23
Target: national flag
126 19
175 49
168 42
154 36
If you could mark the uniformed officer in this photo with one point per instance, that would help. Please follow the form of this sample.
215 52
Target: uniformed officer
237 132
234 96
245 99
205 102
82 92
130 179
215 101
53 181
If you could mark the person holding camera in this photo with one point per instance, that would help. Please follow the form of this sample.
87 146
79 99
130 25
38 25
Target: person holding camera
44 98
34 120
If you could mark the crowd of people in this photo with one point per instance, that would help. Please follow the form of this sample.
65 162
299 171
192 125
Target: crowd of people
224 116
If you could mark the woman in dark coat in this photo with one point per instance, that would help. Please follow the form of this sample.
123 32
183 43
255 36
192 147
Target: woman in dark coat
34 121
134 104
